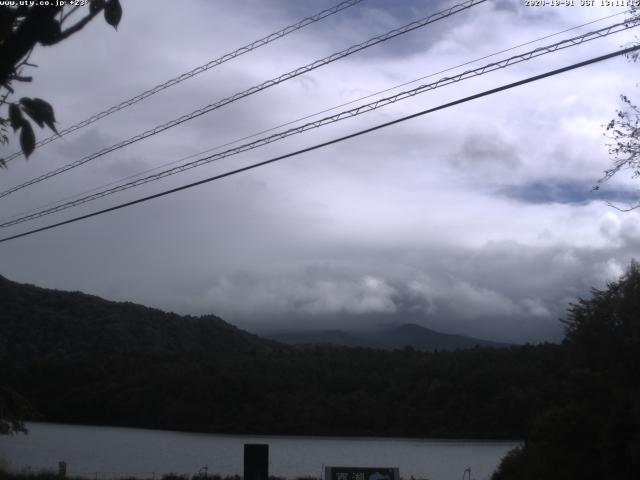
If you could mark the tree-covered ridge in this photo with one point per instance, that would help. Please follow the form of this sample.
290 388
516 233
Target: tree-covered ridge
594 431
476 393
37 322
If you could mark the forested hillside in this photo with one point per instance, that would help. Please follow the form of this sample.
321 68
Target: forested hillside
477 393
37 322
593 430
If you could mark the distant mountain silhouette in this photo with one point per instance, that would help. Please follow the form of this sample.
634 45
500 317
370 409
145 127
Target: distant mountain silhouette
37 321
323 337
388 338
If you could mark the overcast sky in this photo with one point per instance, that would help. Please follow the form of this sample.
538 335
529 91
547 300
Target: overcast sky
477 219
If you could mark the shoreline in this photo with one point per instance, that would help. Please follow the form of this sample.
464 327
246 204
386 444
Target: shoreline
315 436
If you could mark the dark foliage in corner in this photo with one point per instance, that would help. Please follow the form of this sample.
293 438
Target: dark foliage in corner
594 432
622 132
22 28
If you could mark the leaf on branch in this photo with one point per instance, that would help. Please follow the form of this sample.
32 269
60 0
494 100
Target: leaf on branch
3 163
27 139
113 13
50 32
46 111
27 106
40 111
15 116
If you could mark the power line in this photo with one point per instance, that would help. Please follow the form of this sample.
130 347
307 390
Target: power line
526 56
331 142
269 83
196 71
306 117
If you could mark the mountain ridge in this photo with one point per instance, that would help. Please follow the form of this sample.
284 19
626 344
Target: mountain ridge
36 321
388 338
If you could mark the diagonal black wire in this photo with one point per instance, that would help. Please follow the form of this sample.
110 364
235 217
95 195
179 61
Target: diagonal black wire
269 83
523 57
196 71
331 142
306 117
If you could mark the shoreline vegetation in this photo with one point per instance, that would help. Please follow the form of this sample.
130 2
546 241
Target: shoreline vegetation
267 435
49 475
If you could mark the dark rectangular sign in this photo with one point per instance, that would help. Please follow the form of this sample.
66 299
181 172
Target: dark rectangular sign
361 473
256 461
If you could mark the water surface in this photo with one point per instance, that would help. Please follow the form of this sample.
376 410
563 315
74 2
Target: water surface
114 451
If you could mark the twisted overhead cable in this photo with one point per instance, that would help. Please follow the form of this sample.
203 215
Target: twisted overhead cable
269 83
330 142
571 42
196 71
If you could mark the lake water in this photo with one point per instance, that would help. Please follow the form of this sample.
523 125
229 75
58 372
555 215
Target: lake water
108 452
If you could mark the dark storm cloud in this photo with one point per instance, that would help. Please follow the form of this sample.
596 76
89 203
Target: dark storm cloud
504 290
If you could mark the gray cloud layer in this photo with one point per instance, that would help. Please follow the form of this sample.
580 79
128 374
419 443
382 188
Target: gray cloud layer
473 220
